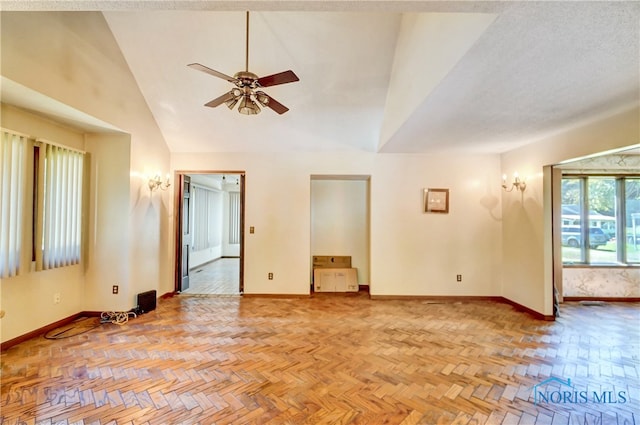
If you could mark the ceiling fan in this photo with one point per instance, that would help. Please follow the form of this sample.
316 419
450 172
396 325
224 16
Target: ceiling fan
247 86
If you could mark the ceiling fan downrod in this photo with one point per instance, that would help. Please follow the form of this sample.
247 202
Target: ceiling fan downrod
246 50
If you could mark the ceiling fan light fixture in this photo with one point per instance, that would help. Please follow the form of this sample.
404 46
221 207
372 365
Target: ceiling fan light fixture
262 98
231 103
248 106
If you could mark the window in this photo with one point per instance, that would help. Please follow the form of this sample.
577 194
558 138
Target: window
207 219
52 235
13 172
234 217
632 219
598 219
59 193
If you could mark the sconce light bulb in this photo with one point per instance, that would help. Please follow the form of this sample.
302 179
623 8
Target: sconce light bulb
518 184
156 182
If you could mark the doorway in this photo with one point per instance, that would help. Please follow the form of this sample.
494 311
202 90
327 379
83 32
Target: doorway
594 203
210 233
340 232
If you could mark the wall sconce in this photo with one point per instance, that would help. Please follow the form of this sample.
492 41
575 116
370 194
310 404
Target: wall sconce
156 183
518 184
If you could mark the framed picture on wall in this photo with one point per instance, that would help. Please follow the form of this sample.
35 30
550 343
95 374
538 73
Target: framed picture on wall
436 201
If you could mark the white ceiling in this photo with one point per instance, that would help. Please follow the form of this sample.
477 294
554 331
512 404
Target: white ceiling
388 76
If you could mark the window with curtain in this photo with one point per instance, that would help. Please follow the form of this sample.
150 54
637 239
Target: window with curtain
234 217
54 234
13 172
58 206
207 220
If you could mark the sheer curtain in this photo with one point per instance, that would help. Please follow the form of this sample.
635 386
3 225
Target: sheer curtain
59 222
13 172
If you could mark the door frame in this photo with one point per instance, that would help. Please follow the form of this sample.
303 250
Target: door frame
366 178
177 222
183 276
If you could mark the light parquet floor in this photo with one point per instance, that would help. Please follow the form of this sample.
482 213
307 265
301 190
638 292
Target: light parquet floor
332 360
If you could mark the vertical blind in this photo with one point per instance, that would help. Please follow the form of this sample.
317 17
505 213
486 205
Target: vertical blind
59 221
234 217
206 218
12 185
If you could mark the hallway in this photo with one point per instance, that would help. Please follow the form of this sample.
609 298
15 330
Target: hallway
219 277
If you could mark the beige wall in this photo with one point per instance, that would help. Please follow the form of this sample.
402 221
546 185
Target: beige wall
107 239
277 205
73 59
412 253
27 299
527 257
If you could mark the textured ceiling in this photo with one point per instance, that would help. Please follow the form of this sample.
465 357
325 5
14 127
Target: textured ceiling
389 76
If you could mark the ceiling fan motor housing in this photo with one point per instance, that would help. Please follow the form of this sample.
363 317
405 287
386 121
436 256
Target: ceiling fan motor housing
246 79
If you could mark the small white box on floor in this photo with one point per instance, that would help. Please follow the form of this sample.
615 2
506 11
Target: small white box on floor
335 280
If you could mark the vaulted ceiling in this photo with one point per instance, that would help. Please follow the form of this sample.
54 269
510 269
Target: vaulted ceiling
379 76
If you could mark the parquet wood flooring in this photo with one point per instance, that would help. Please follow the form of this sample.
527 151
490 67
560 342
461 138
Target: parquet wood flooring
333 360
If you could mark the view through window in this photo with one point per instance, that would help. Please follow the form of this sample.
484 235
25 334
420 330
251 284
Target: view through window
601 219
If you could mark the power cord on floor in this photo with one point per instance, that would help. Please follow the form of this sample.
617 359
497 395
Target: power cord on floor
116 317
77 327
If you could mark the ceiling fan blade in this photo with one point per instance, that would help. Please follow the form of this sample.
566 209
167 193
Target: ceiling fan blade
280 78
220 100
212 72
268 101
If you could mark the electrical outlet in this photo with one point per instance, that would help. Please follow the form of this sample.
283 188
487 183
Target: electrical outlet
114 289
270 276
459 278
57 298
252 229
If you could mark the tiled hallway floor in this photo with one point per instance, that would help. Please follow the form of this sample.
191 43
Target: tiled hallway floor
220 277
